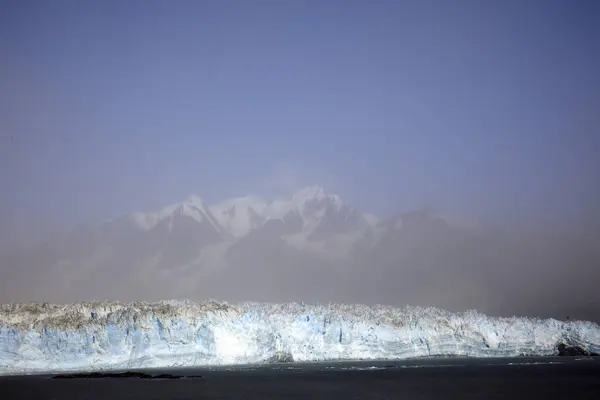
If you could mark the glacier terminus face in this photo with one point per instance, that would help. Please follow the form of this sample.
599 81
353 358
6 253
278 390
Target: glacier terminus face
38 338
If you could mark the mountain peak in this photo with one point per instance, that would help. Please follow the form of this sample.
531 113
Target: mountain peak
194 200
315 193
308 193
239 214
193 206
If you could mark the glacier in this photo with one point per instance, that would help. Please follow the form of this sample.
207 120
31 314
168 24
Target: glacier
92 336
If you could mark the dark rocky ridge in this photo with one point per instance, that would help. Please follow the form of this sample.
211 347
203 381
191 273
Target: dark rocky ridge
573 351
120 375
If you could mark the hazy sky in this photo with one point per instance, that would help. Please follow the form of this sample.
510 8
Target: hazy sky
481 108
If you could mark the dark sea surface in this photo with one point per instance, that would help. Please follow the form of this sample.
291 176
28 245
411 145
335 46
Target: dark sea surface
515 378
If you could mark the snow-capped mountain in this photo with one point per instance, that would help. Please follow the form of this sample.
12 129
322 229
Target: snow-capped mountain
308 216
193 207
241 214
307 246
179 245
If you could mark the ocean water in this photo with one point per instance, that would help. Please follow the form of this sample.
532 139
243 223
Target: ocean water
448 378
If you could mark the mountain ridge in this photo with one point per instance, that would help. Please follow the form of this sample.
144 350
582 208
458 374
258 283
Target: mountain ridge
307 246
305 219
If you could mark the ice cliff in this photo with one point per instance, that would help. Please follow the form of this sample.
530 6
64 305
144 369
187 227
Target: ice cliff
112 335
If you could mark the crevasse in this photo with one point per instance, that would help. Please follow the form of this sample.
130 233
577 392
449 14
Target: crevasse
36 338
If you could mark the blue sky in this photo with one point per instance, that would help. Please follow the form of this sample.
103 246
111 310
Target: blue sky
489 109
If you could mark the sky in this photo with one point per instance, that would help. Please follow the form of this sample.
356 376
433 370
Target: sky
487 109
